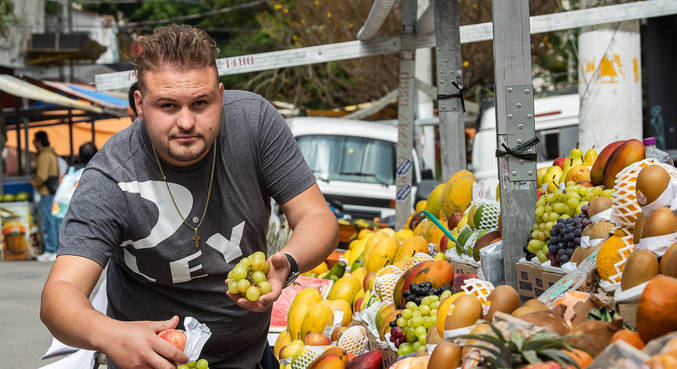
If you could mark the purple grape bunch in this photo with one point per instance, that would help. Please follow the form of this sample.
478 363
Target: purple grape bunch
565 236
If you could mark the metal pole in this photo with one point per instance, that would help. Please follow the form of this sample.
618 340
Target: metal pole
93 133
27 152
405 112
449 83
425 110
514 127
70 130
19 153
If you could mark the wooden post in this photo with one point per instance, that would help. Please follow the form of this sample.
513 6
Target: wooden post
514 127
449 82
405 113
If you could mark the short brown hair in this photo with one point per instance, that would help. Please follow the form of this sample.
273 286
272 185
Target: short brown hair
177 45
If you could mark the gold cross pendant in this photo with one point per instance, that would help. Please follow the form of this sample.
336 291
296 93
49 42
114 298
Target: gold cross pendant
196 238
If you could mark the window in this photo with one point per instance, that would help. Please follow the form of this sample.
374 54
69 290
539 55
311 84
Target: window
352 159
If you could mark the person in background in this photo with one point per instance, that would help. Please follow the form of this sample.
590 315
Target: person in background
69 182
46 173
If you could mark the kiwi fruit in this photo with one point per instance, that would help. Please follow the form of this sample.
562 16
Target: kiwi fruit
641 266
651 183
598 205
660 222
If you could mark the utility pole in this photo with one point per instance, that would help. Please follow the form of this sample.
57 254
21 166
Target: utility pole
449 86
609 81
405 112
514 128
425 108
67 26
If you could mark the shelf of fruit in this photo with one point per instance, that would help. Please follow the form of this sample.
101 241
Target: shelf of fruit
402 305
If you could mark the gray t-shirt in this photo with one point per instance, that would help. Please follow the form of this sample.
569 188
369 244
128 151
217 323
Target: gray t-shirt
122 212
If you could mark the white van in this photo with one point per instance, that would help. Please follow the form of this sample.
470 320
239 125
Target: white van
354 162
556 119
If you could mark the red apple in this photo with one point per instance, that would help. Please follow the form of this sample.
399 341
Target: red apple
444 244
175 337
559 162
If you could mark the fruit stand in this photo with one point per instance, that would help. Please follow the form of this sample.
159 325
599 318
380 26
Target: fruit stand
599 261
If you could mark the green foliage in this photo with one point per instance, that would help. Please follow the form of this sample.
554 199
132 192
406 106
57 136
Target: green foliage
7 16
516 351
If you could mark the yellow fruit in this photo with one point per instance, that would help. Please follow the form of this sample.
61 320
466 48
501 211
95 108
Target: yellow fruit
458 193
410 247
357 250
345 308
302 302
317 318
436 234
388 231
610 257
359 274
282 340
389 269
404 233
435 200
345 288
364 232
420 205
371 241
289 350
381 254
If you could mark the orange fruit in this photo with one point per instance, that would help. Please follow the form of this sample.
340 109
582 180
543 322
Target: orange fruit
582 358
630 337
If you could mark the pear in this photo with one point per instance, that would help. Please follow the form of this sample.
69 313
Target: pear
590 156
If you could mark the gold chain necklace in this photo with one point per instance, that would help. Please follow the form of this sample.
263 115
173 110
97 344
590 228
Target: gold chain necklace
196 236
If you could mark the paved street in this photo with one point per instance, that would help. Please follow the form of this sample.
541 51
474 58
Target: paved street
24 338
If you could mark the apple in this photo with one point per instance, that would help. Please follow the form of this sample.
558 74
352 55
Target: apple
316 339
175 337
559 162
369 280
444 243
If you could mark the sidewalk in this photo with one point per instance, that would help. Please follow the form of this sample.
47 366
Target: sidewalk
24 338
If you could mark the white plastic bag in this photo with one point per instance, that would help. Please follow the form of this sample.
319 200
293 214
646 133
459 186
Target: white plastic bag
64 192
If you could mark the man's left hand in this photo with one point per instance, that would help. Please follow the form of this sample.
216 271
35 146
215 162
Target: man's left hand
277 276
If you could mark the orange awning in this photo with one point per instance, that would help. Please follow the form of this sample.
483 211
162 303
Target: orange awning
82 132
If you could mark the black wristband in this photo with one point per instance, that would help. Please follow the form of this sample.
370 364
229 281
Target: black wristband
293 270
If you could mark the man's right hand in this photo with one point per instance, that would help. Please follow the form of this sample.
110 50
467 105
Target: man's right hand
136 345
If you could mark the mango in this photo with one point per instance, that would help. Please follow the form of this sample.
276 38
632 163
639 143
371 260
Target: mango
303 301
368 360
597 171
345 288
381 254
283 339
458 193
317 318
410 247
331 361
629 152
438 272
435 200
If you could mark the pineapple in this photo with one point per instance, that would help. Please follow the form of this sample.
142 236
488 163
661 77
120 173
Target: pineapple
540 351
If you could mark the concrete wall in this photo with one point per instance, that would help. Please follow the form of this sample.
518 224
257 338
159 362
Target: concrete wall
31 14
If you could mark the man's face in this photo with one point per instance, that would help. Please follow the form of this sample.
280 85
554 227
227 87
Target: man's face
182 112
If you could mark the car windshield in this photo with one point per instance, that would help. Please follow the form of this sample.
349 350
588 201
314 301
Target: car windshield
353 159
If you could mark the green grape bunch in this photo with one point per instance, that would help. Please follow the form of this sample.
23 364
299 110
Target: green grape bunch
198 364
249 277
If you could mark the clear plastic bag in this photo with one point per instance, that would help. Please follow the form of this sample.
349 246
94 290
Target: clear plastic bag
492 263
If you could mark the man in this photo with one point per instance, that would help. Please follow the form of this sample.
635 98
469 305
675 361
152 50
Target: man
46 175
171 204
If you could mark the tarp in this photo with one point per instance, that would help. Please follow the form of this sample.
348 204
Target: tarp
17 87
91 94
82 132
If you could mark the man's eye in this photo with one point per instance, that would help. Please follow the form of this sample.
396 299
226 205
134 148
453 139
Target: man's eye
200 103
167 106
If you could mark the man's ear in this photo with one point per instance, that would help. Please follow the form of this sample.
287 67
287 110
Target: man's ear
138 101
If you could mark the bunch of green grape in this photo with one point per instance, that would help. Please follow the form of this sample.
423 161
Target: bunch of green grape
198 364
249 277
559 204
415 322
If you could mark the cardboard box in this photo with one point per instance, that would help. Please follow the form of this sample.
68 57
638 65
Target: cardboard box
550 278
540 284
526 274
461 268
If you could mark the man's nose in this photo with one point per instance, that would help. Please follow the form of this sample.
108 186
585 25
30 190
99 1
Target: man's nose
185 120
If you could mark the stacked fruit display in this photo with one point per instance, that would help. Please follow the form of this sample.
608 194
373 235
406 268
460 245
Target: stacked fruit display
249 277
